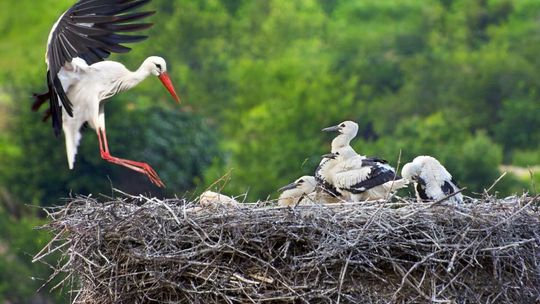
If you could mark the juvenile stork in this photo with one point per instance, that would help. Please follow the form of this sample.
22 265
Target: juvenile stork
79 81
347 131
301 191
211 199
432 180
362 178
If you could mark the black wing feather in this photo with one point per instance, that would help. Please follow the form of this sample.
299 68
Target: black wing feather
330 189
421 189
109 8
375 159
447 188
89 30
323 183
127 27
378 176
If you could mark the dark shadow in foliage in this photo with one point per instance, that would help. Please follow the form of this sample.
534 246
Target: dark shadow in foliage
178 145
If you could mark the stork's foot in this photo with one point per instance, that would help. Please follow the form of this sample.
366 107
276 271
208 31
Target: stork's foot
143 168
152 175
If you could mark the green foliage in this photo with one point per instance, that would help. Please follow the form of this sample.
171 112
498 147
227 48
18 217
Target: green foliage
178 145
479 160
24 27
517 126
526 158
512 184
19 242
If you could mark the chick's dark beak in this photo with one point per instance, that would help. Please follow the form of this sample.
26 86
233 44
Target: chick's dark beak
288 187
331 129
330 156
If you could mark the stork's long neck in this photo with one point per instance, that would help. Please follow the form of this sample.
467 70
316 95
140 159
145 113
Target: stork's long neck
134 78
131 79
341 141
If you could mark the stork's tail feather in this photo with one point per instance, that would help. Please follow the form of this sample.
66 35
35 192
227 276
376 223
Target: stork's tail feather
72 142
39 100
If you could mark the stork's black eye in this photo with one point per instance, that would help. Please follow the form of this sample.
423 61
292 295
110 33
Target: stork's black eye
158 66
337 153
342 125
300 181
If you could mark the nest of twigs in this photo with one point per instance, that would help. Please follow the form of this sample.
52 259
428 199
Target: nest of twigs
139 250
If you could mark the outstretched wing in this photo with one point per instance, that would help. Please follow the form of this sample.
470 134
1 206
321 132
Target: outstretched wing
91 30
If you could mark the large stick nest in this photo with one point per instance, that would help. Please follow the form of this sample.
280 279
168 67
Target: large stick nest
139 250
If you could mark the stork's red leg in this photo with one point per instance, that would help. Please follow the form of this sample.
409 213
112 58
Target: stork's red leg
143 168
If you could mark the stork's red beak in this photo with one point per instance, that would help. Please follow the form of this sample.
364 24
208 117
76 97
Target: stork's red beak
164 77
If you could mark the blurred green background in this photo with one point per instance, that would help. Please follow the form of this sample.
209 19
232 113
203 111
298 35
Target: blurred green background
456 79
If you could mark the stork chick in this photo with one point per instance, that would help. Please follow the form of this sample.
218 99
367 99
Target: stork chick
213 199
363 178
432 180
347 131
301 191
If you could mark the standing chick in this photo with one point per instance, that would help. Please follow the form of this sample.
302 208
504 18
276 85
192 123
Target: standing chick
347 131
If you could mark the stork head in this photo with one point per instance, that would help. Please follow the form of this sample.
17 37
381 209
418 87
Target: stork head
428 167
333 155
410 171
304 185
348 128
158 67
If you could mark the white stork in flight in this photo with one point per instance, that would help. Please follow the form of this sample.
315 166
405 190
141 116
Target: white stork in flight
433 181
79 80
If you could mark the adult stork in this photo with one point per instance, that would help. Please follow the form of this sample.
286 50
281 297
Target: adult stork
362 178
79 80
432 180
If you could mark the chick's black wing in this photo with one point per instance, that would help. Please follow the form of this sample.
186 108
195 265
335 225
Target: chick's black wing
380 174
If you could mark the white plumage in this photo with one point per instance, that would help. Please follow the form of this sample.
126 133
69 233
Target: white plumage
432 180
347 131
78 79
210 199
87 87
362 178
301 191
